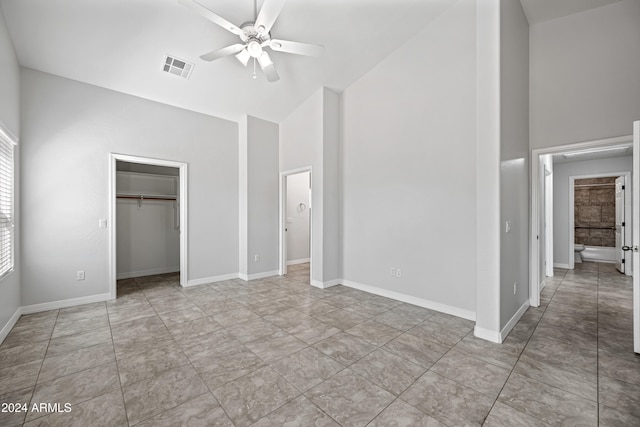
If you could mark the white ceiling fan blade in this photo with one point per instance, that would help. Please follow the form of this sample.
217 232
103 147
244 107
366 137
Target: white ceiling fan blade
216 19
268 68
268 14
296 47
225 51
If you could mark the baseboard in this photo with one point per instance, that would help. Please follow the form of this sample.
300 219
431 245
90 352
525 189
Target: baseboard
487 335
10 324
255 276
213 279
560 265
298 261
151 272
514 319
327 284
420 302
54 305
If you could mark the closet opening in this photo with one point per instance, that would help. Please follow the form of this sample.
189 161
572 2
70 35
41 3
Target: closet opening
148 217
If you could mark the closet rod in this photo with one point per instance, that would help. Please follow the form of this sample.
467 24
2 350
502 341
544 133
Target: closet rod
141 197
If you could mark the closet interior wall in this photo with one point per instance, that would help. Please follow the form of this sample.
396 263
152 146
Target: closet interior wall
147 209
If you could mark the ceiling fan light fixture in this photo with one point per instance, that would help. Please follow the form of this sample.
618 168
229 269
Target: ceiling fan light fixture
254 48
243 57
264 60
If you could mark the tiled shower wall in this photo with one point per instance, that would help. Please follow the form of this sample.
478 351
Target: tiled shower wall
595 211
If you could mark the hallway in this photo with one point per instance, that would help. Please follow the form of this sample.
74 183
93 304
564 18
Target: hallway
582 344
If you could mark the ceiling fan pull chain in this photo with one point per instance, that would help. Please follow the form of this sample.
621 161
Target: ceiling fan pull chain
254 68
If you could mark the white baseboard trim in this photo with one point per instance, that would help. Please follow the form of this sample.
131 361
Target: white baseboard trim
327 284
10 324
514 319
487 335
298 261
256 276
560 265
420 302
542 285
54 305
151 272
212 279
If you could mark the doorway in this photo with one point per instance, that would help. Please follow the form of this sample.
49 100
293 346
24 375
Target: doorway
295 220
159 188
595 149
539 216
597 213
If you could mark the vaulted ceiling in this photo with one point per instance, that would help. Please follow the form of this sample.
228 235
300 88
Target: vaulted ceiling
121 45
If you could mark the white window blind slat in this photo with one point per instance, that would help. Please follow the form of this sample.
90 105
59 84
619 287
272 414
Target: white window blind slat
6 205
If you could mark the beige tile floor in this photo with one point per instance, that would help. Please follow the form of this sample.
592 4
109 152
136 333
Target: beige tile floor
276 351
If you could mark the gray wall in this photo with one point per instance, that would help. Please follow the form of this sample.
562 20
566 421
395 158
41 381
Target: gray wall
69 129
584 75
262 191
514 157
311 137
409 167
331 192
561 174
10 120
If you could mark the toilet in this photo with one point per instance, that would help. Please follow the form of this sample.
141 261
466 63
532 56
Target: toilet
578 248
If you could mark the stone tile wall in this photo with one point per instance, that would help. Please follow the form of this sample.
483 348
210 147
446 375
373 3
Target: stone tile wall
595 207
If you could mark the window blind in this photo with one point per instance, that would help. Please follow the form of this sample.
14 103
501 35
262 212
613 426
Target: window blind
6 205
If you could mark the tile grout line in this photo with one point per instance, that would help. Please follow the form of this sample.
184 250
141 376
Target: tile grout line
33 391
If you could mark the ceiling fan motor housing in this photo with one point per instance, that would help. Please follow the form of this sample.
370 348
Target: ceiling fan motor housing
254 38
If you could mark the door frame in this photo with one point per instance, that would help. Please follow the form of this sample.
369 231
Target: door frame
627 210
182 203
548 215
534 246
635 195
282 270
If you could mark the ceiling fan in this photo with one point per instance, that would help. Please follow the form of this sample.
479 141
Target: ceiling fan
255 37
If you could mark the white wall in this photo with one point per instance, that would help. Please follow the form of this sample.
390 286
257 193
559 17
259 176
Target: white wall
10 121
69 129
409 167
561 174
300 133
148 235
297 217
514 156
584 75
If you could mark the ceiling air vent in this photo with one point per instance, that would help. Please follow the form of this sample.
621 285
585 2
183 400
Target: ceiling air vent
177 66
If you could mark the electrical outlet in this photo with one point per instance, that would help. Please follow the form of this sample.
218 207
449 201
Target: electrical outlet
515 287
80 275
398 272
393 271
256 258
